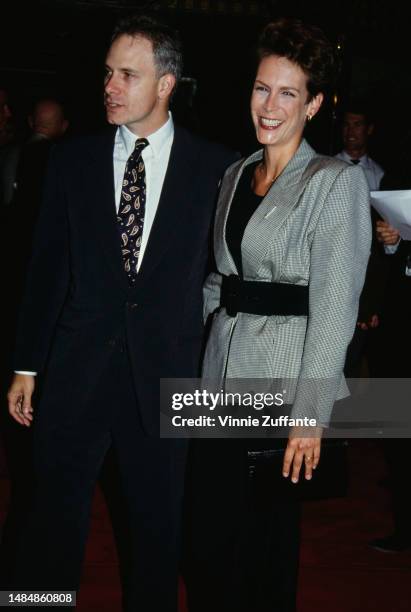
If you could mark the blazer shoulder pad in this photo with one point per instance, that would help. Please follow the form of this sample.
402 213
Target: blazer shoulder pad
326 161
326 166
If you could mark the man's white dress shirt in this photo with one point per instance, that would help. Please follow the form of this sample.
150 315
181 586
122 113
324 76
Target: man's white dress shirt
155 157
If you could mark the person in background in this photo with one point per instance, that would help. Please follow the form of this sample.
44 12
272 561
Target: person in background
48 125
357 129
48 120
395 342
283 303
9 151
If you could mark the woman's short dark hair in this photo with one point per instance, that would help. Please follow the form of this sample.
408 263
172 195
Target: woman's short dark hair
305 45
166 42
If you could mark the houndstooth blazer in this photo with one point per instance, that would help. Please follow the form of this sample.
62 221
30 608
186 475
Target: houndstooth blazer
312 228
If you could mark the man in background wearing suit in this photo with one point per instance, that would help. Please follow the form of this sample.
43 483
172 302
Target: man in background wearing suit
357 128
113 304
48 125
395 342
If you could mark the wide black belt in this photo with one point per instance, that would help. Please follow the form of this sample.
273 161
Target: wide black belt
261 298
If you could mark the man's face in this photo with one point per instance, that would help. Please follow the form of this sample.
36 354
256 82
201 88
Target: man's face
134 93
48 119
355 131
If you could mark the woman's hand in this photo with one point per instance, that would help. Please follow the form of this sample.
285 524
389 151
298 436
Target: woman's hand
301 448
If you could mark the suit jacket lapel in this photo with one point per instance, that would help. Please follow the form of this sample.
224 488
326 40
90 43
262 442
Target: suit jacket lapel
104 208
176 195
223 256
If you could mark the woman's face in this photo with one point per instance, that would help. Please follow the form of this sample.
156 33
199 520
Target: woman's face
279 106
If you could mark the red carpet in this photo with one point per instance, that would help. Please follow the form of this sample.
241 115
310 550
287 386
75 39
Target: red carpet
339 572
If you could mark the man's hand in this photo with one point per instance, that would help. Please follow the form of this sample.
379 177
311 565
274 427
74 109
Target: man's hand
19 398
386 233
301 448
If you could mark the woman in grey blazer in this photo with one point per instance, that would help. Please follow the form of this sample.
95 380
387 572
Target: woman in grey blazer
291 241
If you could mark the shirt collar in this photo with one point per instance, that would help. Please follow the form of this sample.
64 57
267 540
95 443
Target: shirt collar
157 140
364 159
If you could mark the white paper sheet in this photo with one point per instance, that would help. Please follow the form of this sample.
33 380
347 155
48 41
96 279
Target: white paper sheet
394 207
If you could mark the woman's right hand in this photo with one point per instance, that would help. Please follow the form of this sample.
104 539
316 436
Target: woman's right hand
301 448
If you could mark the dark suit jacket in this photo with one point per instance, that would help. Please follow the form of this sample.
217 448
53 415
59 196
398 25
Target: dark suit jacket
398 295
78 304
372 296
24 209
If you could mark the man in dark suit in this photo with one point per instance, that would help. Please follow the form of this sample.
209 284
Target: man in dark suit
395 340
114 304
357 129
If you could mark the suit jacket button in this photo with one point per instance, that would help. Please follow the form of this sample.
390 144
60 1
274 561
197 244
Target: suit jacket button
131 305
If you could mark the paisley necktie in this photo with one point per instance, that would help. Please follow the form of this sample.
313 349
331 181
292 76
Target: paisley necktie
132 208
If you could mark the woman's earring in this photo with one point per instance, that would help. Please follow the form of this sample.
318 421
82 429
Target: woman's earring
309 117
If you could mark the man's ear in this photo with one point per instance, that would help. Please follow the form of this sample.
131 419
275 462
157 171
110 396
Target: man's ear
166 85
370 129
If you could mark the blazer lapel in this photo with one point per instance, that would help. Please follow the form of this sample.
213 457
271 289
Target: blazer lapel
223 256
283 194
270 215
103 193
176 195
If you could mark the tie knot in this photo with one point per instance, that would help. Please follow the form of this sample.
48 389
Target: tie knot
355 161
141 143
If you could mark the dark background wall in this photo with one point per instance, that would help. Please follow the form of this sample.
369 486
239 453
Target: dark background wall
58 47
